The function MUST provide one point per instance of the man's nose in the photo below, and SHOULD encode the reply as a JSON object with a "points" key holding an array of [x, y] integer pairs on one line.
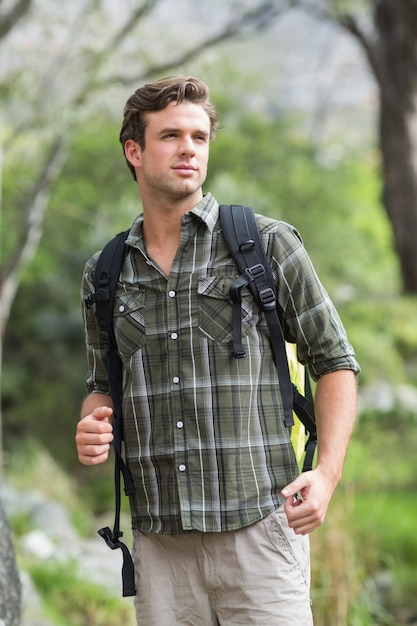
{"points": [[187, 145]]}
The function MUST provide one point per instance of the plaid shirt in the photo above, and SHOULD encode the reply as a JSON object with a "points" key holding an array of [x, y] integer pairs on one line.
{"points": [[204, 434]]}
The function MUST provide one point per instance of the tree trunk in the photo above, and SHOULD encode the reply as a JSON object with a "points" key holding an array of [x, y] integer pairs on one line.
{"points": [[396, 23], [390, 46], [10, 589], [399, 163]]}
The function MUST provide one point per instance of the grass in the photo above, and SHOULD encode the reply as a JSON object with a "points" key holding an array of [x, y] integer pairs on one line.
{"points": [[365, 555], [30, 467], [69, 600]]}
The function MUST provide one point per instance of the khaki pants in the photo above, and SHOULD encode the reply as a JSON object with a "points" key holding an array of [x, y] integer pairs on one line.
{"points": [[259, 575]]}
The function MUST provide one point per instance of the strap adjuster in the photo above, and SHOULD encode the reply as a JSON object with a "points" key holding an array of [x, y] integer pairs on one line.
{"points": [[255, 271], [268, 299]]}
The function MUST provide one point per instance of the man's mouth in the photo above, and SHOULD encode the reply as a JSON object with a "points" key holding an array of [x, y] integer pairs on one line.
{"points": [[185, 167]]}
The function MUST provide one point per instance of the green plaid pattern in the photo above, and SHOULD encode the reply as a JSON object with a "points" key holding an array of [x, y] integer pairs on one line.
{"points": [[204, 433]]}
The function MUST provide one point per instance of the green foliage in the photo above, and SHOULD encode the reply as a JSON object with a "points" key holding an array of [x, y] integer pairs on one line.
{"points": [[30, 465], [96, 182], [382, 453], [43, 369], [364, 557], [70, 600], [380, 475], [21, 524], [382, 329]]}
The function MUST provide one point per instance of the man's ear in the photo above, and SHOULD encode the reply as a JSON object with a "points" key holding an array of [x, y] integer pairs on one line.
{"points": [[133, 153]]}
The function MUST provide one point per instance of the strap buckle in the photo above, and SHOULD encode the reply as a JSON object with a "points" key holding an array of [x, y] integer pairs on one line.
{"points": [[111, 540]]}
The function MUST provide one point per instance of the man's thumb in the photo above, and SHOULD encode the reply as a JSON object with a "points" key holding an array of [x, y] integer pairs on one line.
{"points": [[102, 412], [292, 489]]}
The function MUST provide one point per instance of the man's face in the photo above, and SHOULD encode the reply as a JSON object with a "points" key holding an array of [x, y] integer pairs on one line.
{"points": [[174, 160]]}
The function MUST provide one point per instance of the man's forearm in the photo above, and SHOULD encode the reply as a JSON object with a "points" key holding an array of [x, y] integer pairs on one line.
{"points": [[336, 408]]}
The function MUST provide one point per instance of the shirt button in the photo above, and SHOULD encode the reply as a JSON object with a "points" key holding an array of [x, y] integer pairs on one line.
{"points": [[121, 308], [180, 424], [174, 336], [171, 294], [182, 467], [176, 380]]}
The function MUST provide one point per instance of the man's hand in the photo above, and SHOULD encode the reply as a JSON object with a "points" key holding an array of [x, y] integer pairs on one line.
{"points": [[308, 498], [94, 436]]}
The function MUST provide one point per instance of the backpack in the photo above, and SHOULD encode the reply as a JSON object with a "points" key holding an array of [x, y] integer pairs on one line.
{"points": [[241, 233]]}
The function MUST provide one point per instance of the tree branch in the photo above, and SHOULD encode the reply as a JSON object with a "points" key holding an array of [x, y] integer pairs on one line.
{"points": [[349, 23], [8, 20], [132, 20], [347, 20], [31, 234], [255, 19]]}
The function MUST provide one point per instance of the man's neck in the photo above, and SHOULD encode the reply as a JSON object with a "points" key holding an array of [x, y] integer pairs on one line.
{"points": [[162, 231]]}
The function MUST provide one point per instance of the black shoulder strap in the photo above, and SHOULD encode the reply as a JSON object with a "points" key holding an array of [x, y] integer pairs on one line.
{"points": [[241, 233], [107, 272]]}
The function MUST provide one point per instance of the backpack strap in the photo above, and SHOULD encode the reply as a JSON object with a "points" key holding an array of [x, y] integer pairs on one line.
{"points": [[307, 417], [107, 272], [241, 233]]}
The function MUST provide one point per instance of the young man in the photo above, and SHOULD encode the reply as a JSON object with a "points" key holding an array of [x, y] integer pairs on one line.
{"points": [[219, 537]]}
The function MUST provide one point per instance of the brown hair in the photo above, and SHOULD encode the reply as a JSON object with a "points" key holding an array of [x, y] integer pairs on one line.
{"points": [[155, 97]]}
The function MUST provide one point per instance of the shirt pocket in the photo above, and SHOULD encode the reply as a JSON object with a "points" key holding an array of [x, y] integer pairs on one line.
{"points": [[129, 322], [215, 309]]}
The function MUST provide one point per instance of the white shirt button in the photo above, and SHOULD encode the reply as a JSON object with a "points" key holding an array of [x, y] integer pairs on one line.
{"points": [[174, 335], [121, 308], [180, 424], [176, 380], [171, 294], [182, 467]]}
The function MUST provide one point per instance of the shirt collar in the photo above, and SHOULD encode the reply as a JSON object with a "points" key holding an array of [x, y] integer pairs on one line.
{"points": [[207, 210]]}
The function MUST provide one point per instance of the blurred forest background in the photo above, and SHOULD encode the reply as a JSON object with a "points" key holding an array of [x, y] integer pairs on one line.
{"points": [[318, 105]]}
